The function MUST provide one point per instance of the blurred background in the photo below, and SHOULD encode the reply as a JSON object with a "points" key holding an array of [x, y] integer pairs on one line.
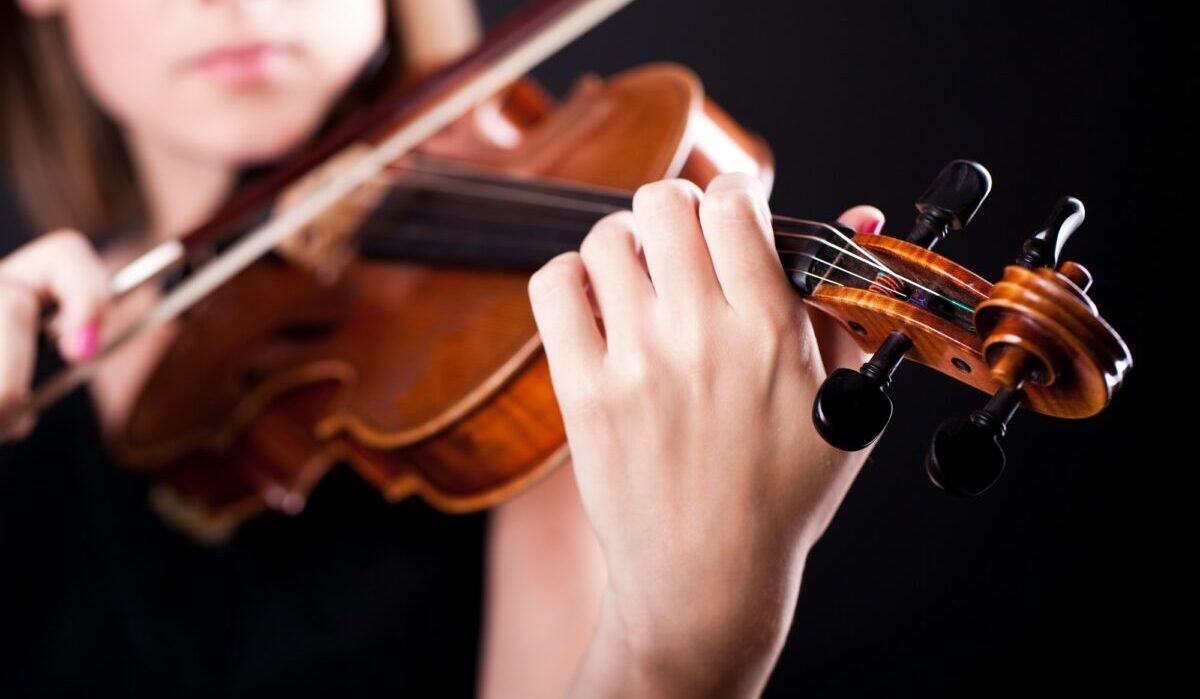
{"points": [[1045, 580]]}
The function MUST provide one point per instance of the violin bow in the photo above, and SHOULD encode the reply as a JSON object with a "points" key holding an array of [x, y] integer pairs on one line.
{"points": [[412, 114]]}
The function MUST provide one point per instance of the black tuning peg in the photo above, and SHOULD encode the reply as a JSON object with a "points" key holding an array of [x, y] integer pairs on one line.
{"points": [[852, 407], [965, 457], [1044, 247], [950, 202]]}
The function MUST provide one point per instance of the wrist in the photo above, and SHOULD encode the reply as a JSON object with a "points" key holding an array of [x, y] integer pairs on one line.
{"points": [[723, 646]]}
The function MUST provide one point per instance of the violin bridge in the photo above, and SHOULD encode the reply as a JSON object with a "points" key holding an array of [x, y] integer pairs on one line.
{"points": [[325, 246]]}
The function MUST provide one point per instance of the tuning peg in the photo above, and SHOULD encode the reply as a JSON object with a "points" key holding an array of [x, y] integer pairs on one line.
{"points": [[950, 202], [852, 407], [965, 457], [1044, 247]]}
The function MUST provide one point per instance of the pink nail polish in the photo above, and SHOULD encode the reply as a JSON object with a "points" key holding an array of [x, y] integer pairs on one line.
{"points": [[872, 227], [86, 342]]}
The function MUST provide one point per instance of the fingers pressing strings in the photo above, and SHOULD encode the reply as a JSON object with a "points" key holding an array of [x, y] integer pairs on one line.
{"points": [[600, 201]]}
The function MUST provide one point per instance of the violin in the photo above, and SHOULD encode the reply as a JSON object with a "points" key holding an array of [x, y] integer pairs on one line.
{"points": [[366, 302]]}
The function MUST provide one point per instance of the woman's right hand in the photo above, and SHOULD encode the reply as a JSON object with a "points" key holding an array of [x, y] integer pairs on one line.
{"points": [[61, 268]]}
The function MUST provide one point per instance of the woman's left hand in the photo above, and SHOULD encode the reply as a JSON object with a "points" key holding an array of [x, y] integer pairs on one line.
{"points": [[688, 413]]}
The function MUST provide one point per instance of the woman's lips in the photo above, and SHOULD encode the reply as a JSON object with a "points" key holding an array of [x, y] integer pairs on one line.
{"points": [[247, 65]]}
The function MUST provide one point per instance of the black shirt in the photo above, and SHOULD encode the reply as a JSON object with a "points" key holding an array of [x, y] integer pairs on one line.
{"points": [[96, 593]]}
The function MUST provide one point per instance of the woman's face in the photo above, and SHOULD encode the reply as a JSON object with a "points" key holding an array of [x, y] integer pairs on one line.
{"points": [[238, 81]]}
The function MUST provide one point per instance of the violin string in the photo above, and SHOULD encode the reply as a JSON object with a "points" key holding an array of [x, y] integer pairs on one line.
{"points": [[449, 168], [436, 166], [827, 280], [574, 205], [503, 194], [874, 262], [567, 196], [445, 177], [846, 252], [843, 270], [518, 246], [866, 257], [514, 245]]}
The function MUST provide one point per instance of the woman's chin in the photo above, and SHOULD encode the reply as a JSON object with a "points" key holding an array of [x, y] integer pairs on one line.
{"points": [[244, 147]]}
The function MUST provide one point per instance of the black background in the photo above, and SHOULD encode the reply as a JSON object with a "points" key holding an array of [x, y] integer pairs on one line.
{"points": [[1048, 579], [1044, 580]]}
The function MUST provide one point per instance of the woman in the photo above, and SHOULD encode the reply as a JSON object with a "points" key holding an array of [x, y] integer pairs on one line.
{"points": [[670, 568]]}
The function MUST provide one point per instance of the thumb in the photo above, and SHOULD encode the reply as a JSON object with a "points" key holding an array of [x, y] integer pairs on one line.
{"points": [[863, 219]]}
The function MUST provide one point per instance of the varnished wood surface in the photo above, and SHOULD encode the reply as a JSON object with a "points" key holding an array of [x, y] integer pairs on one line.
{"points": [[1072, 359], [1045, 314]]}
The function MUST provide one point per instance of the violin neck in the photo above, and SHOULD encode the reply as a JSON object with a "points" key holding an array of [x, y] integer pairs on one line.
{"points": [[473, 218]]}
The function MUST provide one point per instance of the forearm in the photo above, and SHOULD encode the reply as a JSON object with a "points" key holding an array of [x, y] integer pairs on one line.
{"points": [[545, 579]]}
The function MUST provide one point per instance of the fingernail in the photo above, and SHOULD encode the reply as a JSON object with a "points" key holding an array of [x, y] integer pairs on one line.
{"points": [[872, 227], [86, 341]]}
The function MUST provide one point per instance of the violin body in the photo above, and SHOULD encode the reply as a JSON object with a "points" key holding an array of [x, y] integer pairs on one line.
{"points": [[425, 379], [429, 378]]}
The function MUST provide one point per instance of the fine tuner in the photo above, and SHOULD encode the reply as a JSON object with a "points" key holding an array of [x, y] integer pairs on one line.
{"points": [[1033, 339]]}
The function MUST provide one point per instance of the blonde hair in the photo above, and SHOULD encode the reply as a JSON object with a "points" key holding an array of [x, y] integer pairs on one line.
{"points": [[64, 158]]}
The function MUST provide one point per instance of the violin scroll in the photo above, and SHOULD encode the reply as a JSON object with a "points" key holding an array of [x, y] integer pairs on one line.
{"points": [[1040, 331], [1034, 339]]}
